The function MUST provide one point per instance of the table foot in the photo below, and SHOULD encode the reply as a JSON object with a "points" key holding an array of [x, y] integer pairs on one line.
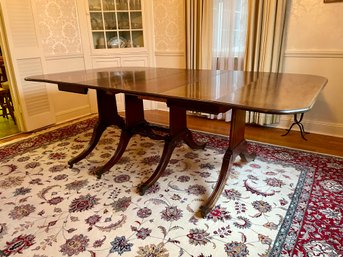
{"points": [[142, 188], [300, 125], [123, 142], [204, 210]]}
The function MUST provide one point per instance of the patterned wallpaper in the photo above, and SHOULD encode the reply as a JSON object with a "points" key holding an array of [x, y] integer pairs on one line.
{"points": [[169, 22], [59, 31], [58, 27], [315, 25]]}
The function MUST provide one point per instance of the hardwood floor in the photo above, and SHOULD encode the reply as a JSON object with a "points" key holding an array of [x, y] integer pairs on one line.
{"points": [[7, 127], [315, 142]]}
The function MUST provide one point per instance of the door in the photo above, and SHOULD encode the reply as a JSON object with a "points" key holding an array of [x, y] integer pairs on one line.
{"points": [[32, 101]]}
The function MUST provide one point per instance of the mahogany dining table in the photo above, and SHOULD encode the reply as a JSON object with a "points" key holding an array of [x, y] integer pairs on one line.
{"points": [[207, 91]]}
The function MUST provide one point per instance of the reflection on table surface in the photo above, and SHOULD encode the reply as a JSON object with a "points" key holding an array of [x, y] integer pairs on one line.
{"points": [[259, 91]]}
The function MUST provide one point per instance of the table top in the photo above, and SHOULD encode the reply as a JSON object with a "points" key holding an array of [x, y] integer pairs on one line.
{"points": [[282, 93]]}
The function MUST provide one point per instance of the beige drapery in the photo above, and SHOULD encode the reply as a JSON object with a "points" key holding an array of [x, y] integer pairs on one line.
{"points": [[264, 40], [265, 44], [199, 22], [199, 34], [229, 32]]}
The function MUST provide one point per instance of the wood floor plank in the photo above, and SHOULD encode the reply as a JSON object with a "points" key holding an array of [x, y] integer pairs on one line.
{"points": [[315, 142], [7, 127]]}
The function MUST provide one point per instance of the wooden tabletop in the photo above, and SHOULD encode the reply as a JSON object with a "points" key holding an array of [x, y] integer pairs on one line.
{"points": [[281, 93]]}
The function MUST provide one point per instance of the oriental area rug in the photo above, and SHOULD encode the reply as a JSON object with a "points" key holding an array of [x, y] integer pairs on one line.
{"points": [[284, 203]]}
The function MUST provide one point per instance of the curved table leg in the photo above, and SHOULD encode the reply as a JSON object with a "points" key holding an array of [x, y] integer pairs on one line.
{"points": [[108, 115], [178, 132], [223, 176], [134, 124], [228, 159], [123, 142], [237, 146], [168, 149], [298, 122], [302, 131], [97, 132]]}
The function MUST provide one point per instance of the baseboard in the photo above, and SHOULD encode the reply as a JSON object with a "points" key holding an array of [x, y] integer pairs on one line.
{"points": [[161, 106], [72, 114], [169, 53]]}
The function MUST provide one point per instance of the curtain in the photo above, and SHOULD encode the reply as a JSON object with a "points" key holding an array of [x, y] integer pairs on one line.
{"points": [[229, 33], [199, 33], [215, 37], [199, 22], [265, 44]]}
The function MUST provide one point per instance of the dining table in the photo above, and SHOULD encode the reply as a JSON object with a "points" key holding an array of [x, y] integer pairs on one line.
{"points": [[184, 91]]}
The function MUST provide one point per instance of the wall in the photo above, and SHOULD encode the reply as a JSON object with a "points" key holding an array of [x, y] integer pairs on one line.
{"points": [[169, 36], [169, 33], [315, 46], [58, 27], [64, 34]]}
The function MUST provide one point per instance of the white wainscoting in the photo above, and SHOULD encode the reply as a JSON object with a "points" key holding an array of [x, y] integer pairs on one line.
{"points": [[67, 106], [313, 126], [326, 116], [170, 59]]}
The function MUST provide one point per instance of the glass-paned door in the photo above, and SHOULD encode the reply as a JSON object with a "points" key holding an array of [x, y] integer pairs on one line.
{"points": [[116, 23]]}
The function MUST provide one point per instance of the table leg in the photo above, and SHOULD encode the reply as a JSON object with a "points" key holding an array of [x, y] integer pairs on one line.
{"points": [[178, 132], [237, 146], [123, 142], [300, 125], [134, 122], [108, 115]]}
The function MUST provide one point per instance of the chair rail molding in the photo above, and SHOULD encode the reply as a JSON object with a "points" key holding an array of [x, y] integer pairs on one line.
{"points": [[169, 53], [65, 56], [314, 53]]}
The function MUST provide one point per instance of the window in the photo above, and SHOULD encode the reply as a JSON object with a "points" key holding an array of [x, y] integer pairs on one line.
{"points": [[229, 33]]}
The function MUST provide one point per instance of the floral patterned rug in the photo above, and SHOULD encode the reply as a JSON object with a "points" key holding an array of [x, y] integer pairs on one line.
{"points": [[285, 203]]}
